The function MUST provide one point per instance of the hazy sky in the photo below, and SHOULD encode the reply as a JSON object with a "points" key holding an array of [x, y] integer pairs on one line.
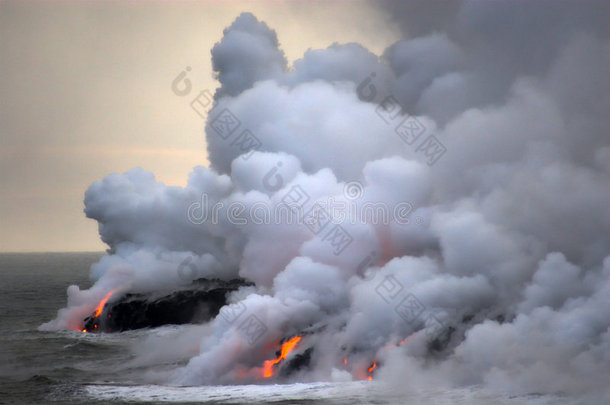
{"points": [[85, 91]]}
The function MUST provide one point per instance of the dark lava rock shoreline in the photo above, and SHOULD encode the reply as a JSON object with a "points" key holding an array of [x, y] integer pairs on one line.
{"points": [[195, 304]]}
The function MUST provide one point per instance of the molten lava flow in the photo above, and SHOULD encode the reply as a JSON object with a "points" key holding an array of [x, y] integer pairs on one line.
{"points": [[373, 367], [100, 306], [99, 309], [287, 347]]}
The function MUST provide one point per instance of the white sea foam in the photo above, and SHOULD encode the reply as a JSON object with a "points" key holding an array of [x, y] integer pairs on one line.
{"points": [[364, 392]]}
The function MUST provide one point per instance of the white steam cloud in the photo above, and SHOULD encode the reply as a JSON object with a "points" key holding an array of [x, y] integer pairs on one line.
{"points": [[502, 239]]}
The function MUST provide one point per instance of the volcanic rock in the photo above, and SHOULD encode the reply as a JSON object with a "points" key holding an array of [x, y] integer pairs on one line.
{"points": [[198, 303]]}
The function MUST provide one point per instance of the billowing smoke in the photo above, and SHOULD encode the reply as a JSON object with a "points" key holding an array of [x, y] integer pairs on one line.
{"points": [[440, 210]]}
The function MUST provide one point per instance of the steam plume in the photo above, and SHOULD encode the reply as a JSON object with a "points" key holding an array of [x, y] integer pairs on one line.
{"points": [[507, 243]]}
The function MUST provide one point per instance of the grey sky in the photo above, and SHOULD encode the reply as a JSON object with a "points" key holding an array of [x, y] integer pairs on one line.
{"points": [[85, 91]]}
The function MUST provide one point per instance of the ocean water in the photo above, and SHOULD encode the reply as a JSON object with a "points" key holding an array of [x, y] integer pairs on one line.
{"points": [[75, 368]]}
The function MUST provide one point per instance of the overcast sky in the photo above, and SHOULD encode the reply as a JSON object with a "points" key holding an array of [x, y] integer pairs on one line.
{"points": [[85, 91]]}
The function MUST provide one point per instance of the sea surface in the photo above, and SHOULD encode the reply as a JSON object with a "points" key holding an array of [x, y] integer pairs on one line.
{"points": [[75, 368]]}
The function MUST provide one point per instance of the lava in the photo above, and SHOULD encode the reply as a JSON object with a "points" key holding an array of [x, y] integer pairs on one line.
{"points": [[100, 306], [99, 309], [287, 347], [373, 367]]}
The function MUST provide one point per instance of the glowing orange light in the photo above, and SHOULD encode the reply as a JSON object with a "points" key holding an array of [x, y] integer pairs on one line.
{"points": [[84, 330], [370, 370], [345, 361], [100, 306], [287, 347]]}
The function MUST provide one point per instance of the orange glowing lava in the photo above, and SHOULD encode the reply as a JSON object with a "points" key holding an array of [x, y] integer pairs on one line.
{"points": [[99, 309], [373, 367], [345, 361], [100, 306], [287, 347]]}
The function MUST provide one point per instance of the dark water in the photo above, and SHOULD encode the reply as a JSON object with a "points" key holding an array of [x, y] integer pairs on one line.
{"points": [[39, 367], [69, 367], [73, 368]]}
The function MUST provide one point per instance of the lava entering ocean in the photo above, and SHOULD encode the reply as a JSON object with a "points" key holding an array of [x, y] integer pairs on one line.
{"points": [[100, 306], [368, 145], [371, 369], [99, 309], [287, 347]]}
